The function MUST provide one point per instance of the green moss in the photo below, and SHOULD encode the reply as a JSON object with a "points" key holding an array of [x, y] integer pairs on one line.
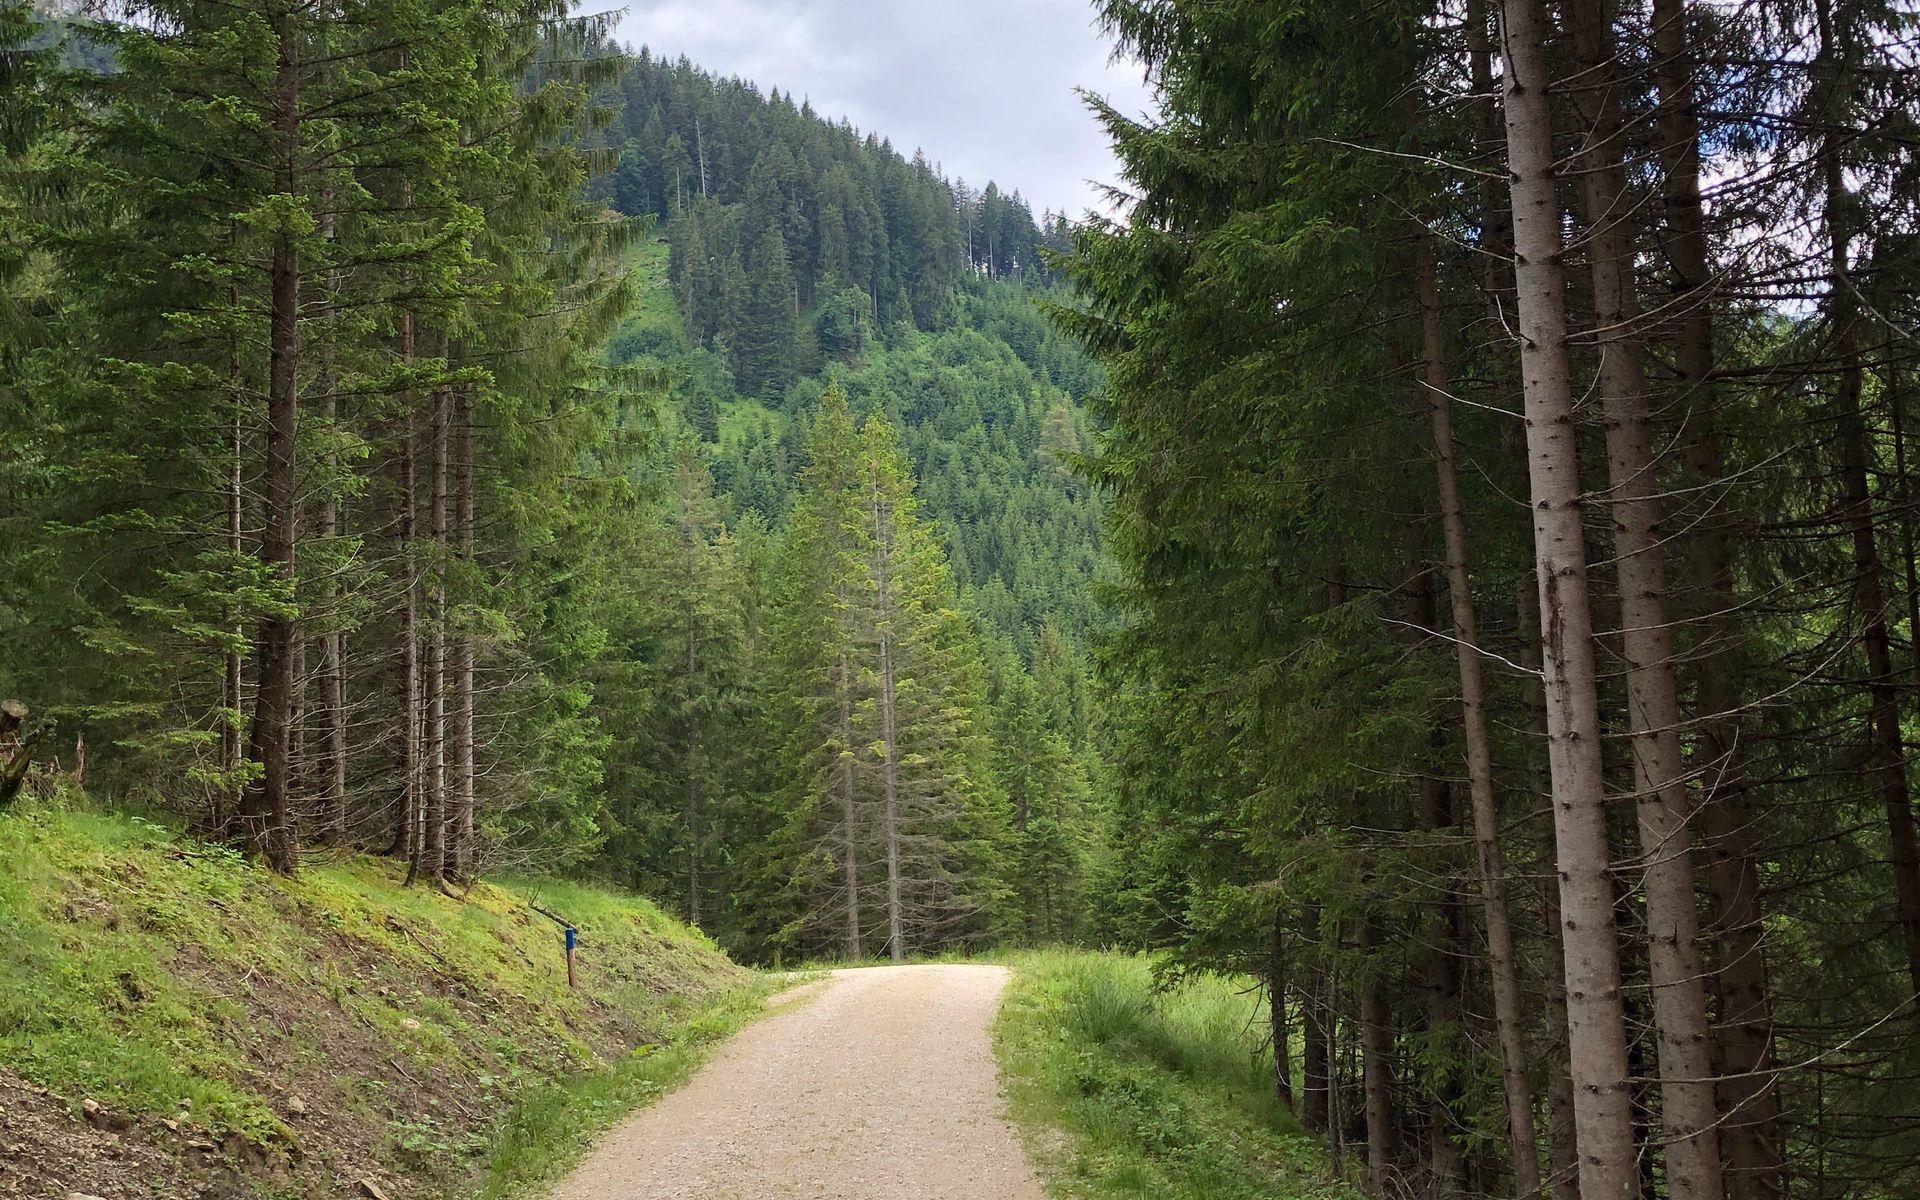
{"points": [[1145, 1093]]}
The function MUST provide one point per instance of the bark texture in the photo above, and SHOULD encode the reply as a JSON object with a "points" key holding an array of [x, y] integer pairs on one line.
{"points": [[1596, 1026], [1688, 1110], [1489, 858]]}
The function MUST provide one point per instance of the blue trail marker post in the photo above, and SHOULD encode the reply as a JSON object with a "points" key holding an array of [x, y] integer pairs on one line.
{"points": [[572, 982]]}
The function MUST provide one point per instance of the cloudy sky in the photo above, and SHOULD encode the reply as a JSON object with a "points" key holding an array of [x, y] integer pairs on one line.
{"points": [[985, 87]]}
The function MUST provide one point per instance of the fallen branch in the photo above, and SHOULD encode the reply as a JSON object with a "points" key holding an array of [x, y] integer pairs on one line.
{"points": [[416, 939]]}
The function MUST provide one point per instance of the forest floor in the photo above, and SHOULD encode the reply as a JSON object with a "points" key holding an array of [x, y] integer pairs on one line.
{"points": [[876, 1083], [175, 1022]]}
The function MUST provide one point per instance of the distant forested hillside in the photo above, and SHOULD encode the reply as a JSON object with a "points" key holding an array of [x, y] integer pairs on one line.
{"points": [[808, 294], [794, 251]]}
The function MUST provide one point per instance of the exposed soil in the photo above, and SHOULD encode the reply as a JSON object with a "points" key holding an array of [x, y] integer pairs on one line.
{"points": [[881, 1085]]}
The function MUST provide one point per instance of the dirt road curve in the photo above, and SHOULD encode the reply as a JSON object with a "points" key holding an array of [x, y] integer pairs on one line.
{"points": [[880, 1087]]}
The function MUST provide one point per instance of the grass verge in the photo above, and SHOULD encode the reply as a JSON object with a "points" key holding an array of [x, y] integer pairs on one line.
{"points": [[273, 1036], [549, 1132], [1126, 1093]]}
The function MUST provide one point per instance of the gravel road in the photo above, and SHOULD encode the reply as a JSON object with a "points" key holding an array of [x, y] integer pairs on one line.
{"points": [[877, 1084]]}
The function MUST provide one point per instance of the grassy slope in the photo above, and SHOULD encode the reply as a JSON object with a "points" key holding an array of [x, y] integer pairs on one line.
{"points": [[294, 1036], [1129, 1094]]}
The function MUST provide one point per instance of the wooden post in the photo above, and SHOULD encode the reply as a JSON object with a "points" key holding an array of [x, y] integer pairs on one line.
{"points": [[572, 980]]}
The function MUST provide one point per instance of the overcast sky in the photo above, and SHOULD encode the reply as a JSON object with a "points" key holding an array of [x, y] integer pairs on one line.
{"points": [[985, 87]]}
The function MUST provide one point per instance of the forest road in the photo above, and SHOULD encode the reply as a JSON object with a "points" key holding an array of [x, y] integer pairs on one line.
{"points": [[879, 1085]]}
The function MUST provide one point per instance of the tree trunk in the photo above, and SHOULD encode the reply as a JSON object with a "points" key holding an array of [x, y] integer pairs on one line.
{"points": [[1376, 1061], [1495, 235], [1563, 1146], [232, 682], [436, 665], [1909, 563], [1509, 1025], [1596, 1026], [689, 546], [848, 815], [889, 731], [1689, 1112], [298, 766], [463, 650], [409, 841], [1277, 1026], [332, 706], [1870, 589], [1750, 1134], [1562, 1151], [1316, 1059], [265, 811], [1445, 944], [1440, 984]]}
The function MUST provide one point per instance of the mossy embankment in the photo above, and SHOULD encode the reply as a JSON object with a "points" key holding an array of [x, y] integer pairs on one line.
{"points": [[175, 1021]]}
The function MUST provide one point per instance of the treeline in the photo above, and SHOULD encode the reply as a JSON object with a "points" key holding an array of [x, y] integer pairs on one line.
{"points": [[304, 429], [796, 238], [1512, 476], [831, 747], [330, 529]]}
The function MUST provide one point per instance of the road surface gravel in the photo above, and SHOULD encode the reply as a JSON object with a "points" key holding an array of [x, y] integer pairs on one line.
{"points": [[876, 1084]]}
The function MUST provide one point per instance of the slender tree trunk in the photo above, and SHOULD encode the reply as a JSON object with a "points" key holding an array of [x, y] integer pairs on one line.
{"points": [[889, 730], [1376, 1062], [1909, 563], [1688, 1108], [849, 816], [1495, 235], [1562, 1149], [463, 649], [1870, 603], [1750, 1135], [1440, 983], [435, 839], [1596, 1024], [332, 707], [333, 682], [266, 812], [1442, 986], [411, 793], [230, 734], [689, 544], [700, 145], [1509, 1024], [1316, 1060], [298, 766], [1277, 1026], [1339, 1064], [1870, 589]]}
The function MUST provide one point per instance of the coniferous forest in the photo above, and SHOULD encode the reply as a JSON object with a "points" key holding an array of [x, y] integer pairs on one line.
{"points": [[1440, 548]]}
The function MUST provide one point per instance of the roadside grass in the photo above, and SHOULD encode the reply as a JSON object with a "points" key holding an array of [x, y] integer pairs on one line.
{"points": [[340, 1024], [546, 1134], [1128, 1093]]}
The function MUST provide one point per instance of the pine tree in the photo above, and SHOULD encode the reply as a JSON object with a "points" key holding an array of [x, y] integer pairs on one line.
{"points": [[766, 319]]}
